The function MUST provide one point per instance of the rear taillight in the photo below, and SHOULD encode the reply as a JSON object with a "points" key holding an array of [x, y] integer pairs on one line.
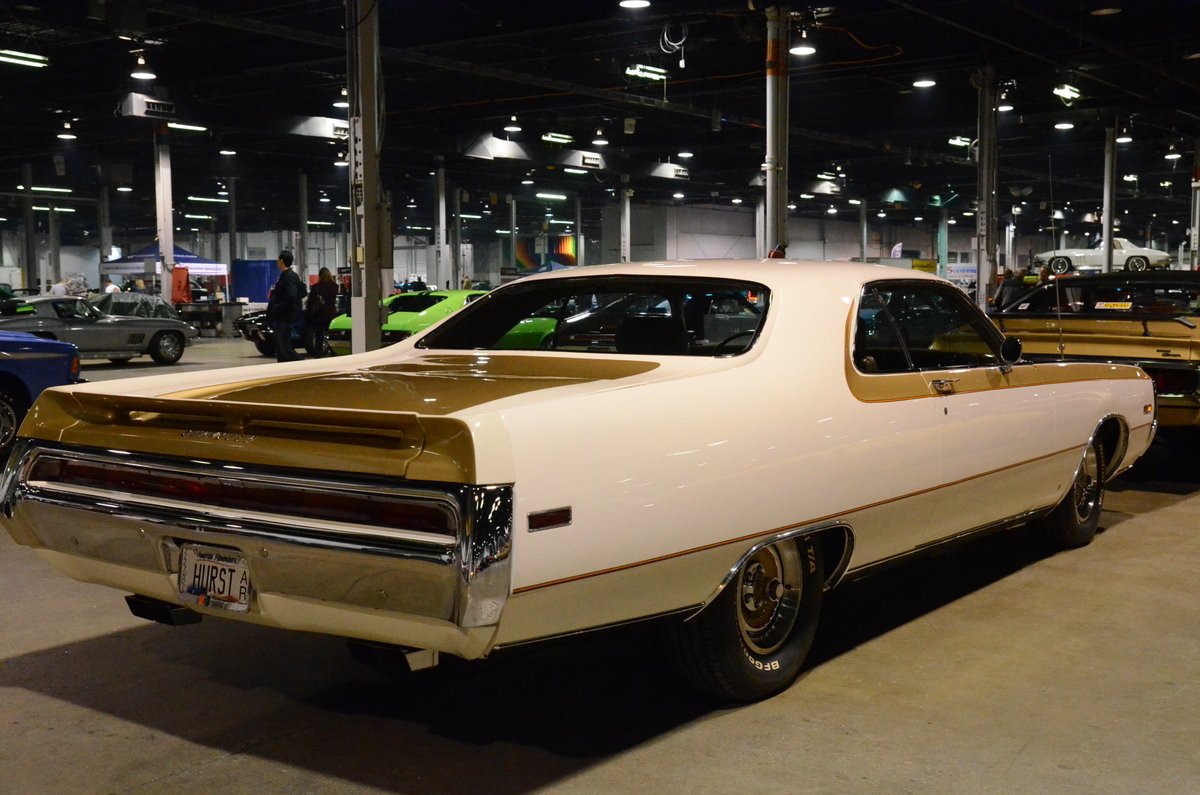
{"points": [[309, 501], [1175, 382], [75, 365]]}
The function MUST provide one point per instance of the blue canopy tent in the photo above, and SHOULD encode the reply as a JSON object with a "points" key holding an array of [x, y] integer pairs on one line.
{"points": [[135, 263]]}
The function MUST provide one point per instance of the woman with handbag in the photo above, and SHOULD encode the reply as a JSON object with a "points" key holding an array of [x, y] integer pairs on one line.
{"points": [[319, 309]]}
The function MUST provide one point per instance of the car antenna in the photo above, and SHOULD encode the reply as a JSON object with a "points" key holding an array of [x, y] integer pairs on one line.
{"points": [[1054, 245]]}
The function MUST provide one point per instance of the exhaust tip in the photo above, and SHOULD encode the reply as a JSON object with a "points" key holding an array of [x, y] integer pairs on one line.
{"points": [[163, 612]]}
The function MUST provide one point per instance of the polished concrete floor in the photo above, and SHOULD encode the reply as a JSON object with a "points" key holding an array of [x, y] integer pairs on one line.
{"points": [[991, 669]]}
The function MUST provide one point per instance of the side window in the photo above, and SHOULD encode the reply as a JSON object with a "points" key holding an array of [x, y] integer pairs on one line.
{"points": [[921, 326]]}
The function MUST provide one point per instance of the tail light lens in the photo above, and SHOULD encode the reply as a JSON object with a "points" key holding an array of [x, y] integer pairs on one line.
{"points": [[1175, 381]]}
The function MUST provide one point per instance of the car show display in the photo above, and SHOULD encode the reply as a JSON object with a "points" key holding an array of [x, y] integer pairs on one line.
{"points": [[1125, 256], [406, 314], [1144, 319], [476, 486], [98, 335]]}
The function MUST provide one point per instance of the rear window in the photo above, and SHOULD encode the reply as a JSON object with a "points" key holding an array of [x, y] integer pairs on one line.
{"points": [[413, 302], [612, 314]]}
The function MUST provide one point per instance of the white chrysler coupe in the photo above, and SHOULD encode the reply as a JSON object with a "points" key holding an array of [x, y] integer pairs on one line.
{"points": [[713, 443]]}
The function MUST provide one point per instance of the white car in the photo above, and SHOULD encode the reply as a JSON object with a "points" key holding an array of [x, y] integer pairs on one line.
{"points": [[1124, 255], [713, 443]]}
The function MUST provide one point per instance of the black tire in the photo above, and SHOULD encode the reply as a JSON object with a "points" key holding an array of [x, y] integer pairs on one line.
{"points": [[166, 347], [1059, 265], [1138, 264], [265, 347], [1073, 523], [13, 408], [751, 641]]}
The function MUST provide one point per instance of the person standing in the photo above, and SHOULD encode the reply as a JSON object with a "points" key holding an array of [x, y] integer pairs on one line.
{"points": [[319, 310], [284, 307], [109, 287], [60, 287]]}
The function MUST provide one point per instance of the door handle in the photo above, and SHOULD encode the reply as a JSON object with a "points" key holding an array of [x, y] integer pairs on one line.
{"points": [[944, 386]]}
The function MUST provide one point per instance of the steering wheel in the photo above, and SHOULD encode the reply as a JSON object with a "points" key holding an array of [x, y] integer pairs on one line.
{"points": [[735, 336]]}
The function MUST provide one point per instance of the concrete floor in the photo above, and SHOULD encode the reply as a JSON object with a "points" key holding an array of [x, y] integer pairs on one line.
{"points": [[990, 669]]}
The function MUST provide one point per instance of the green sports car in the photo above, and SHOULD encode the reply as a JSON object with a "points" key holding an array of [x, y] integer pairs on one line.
{"points": [[408, 313]]}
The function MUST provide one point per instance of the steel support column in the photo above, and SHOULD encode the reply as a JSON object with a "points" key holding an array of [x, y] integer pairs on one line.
{"points": [[366, 195], [775, 167], [104, 220], [301, 252], [1110, 195], [943, 240], [625, 194], [1195, 236], [985, 216], [579, 238], [29, 259], [164, 210], [512, 235], [863, 232]]}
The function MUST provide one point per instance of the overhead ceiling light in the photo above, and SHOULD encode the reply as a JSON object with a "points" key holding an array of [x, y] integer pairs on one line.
{"points": [[513, 125], [924, 83], [634, 3], [677, 195], [124, 189], [561, 222], [66, 133], [552, 196], [527, 181], [196, 217], [881, 214], [736, 201], [792, 206], [56, 209], [141, 70], [320, 223], [343, 101], [174, 125], [24, 59], [1007, 89], [341, 161], [806, 196], [1172, 152], [48, 189], [918, 218], [952, 220], [832, 211], [960, 140], [1130, 178], [470, 217], [826, 176], [1105, 8], [804, 46], [557, 138], [343, 207], [324, 200], [1066, 92], [222, 192], [685, 154], [573, 170], [646, 72], [855, 202], [207, 199], [599, 140], [1064, 125], [229, 152]]}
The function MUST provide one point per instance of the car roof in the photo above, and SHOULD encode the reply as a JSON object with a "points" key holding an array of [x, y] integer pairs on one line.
{"points": [[770, 272], [1142, 277]]}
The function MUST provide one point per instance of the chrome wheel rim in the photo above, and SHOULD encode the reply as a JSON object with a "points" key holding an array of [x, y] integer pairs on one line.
{"points": [[768, 597], [1087, 486], [1059, 265], [8, 424], [169, 346]]}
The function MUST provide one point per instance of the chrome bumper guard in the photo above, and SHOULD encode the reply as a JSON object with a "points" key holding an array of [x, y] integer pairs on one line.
{"points": [[425, 581]]}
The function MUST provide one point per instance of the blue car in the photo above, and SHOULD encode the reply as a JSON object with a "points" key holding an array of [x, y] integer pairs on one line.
{"points": [[29, 364]]}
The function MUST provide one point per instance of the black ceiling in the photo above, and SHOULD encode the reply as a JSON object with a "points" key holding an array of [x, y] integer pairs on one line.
{"points": [[455, 69]]}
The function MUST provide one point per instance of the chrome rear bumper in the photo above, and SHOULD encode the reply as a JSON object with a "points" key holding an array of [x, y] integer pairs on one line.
{"points": [[385, 584]]}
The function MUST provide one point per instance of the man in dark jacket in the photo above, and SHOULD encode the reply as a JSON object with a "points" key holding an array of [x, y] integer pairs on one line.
{"points": [[285, 306]]}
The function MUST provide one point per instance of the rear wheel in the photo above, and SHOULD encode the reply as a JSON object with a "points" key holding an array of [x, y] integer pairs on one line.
{"points": [[1073, 523], [13, 407], [166, 347], [750, 643], [1137, 264], [265, 347], [1059, 265]]}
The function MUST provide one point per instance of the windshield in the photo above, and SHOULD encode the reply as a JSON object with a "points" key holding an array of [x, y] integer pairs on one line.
{"points": [[413, 302], [611, 314]]}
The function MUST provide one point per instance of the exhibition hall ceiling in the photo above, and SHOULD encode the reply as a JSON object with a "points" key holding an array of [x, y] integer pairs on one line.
{"points": [[454, 74]]}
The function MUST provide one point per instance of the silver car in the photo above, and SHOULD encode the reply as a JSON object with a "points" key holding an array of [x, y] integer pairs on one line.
{"points": [[96, 334]]}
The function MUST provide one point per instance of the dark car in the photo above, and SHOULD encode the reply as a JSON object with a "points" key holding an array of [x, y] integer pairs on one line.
{"points": [[29, 364], [1145, 318]]}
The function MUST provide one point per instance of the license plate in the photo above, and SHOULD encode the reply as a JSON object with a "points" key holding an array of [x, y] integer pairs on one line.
{"points": [[211, 577]]}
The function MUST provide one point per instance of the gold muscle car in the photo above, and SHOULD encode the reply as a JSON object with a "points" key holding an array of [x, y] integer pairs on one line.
{"points": [[1147, 319]]}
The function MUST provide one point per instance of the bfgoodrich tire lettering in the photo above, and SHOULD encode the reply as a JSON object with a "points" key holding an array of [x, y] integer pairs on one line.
{"points": [[751, 642], [1073, 523]]}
